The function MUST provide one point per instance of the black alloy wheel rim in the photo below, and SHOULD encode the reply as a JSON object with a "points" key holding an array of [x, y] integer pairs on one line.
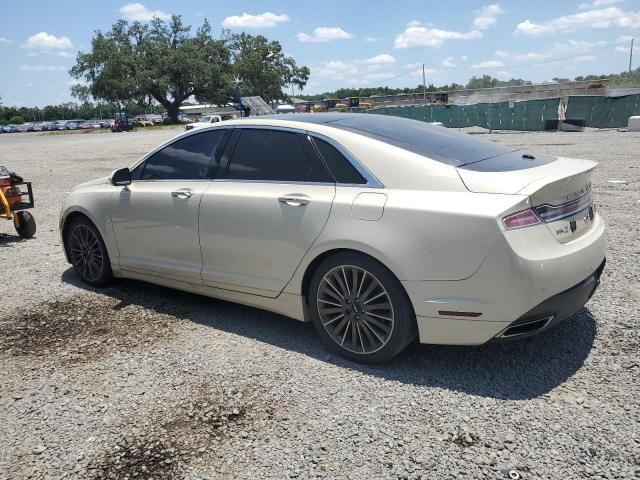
{"points": [[86, 253], [355, 309]]}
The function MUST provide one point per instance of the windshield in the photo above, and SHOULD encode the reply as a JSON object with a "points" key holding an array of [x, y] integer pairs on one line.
{"points": [[206, 119]]}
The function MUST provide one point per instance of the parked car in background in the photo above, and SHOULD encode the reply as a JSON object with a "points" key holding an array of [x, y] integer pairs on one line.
{"points": [[205, 121], [375, 228]]}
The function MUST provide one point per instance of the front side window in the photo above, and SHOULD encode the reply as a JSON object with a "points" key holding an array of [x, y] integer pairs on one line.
{"points": [[274, 155], [186, 159]]}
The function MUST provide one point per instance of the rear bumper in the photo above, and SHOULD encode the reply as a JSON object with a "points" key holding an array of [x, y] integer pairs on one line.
{"points": [[554, 309], [527, 274]]}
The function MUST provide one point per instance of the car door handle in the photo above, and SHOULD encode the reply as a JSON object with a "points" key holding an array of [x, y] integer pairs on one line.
{"points": [[294, 200], [182, 194]]}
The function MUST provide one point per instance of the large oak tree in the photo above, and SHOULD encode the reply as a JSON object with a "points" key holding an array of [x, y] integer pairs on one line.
{"points": [[163, 61]]}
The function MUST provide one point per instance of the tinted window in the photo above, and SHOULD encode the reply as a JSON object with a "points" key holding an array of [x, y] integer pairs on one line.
{"points": [[438, 143], [185, 159], [262, 154], [342, 170]]}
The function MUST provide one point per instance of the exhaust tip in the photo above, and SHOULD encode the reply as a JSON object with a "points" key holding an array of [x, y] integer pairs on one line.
{"points": [[527, 328]]}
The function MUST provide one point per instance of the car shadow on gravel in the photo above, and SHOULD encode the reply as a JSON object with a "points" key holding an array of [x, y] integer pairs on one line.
{"points": [[513, 370]]}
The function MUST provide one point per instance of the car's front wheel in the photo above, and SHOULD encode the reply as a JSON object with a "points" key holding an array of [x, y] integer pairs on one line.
{"points": [[88, 253], [360, 309]]}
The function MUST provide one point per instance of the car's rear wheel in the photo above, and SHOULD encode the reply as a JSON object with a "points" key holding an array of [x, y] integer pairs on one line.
{"points": [[360, 309], [88, 253]]}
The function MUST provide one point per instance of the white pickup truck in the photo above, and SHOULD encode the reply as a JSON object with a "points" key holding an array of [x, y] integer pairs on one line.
{"points": [[205, 121]]}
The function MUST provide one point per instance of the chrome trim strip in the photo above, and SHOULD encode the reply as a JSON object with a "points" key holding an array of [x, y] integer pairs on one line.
{"points": [[372, 181], [282, 182], [551, 213]]}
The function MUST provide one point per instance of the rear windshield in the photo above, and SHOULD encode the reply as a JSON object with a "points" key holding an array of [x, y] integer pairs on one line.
{"points": [[439, 143]]}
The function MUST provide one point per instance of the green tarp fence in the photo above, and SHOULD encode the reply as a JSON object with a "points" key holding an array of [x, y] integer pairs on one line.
{"points": [[529, 115]]}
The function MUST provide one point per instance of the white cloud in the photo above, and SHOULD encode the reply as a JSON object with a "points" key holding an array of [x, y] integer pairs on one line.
{"points": [[448, 63], [583, 58], [420, 36], [489, 64], [65, 54], [325, 34], [5, 40], [487, 16], [602, 18], [597, 4], [338, 70], [370, 39], [137, 12], [570, 48], [413, 23], [41, 68], [383, 59], [45, 41], [262, 20], [378, 76], [464, 58]]}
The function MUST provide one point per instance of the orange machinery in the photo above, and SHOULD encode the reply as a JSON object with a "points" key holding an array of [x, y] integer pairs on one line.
{"points": [[16, 197]]}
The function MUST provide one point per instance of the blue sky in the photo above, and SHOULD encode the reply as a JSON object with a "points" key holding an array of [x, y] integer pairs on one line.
{"points": [[346, 43]]}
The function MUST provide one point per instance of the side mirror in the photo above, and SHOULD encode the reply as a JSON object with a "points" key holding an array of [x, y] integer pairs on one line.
{"points": [[121, 178]]}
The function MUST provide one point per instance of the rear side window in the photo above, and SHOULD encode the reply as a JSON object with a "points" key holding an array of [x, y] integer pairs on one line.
{"points": [[186, 159], [342, 169], [275, 155]]}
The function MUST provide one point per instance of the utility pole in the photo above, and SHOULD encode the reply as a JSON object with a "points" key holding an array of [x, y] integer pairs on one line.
{"points": [[424, 86], [631, 55]]}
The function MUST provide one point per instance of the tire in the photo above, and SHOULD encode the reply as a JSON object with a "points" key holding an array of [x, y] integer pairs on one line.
{"points": [[88, 253], [26, 226], [360, 309]]}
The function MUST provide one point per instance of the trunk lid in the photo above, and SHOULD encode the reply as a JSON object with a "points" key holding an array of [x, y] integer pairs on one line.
{"points": [[559, 190]]}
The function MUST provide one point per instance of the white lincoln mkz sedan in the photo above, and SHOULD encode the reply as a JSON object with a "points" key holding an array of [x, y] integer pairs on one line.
{"points": [[377, 229]]}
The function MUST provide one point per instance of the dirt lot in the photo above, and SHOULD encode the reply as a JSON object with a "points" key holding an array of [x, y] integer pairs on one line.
{"points": [[137, 381]]}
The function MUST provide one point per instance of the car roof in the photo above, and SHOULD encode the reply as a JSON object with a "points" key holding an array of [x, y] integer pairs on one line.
{"points": [[436, 142]]}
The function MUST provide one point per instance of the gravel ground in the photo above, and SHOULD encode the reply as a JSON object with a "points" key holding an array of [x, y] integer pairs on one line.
{"points": [[138, 381]]}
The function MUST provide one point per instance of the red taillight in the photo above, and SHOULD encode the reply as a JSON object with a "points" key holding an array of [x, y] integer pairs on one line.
{"points": [[525, 218]]}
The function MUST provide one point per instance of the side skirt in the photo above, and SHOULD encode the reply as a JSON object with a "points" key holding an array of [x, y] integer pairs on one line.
{"points": [[287, 304]]}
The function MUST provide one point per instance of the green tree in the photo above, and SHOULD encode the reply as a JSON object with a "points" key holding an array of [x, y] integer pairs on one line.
{"points": [[16, 119], [160, 60], [163, 61], [263, 68]]}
